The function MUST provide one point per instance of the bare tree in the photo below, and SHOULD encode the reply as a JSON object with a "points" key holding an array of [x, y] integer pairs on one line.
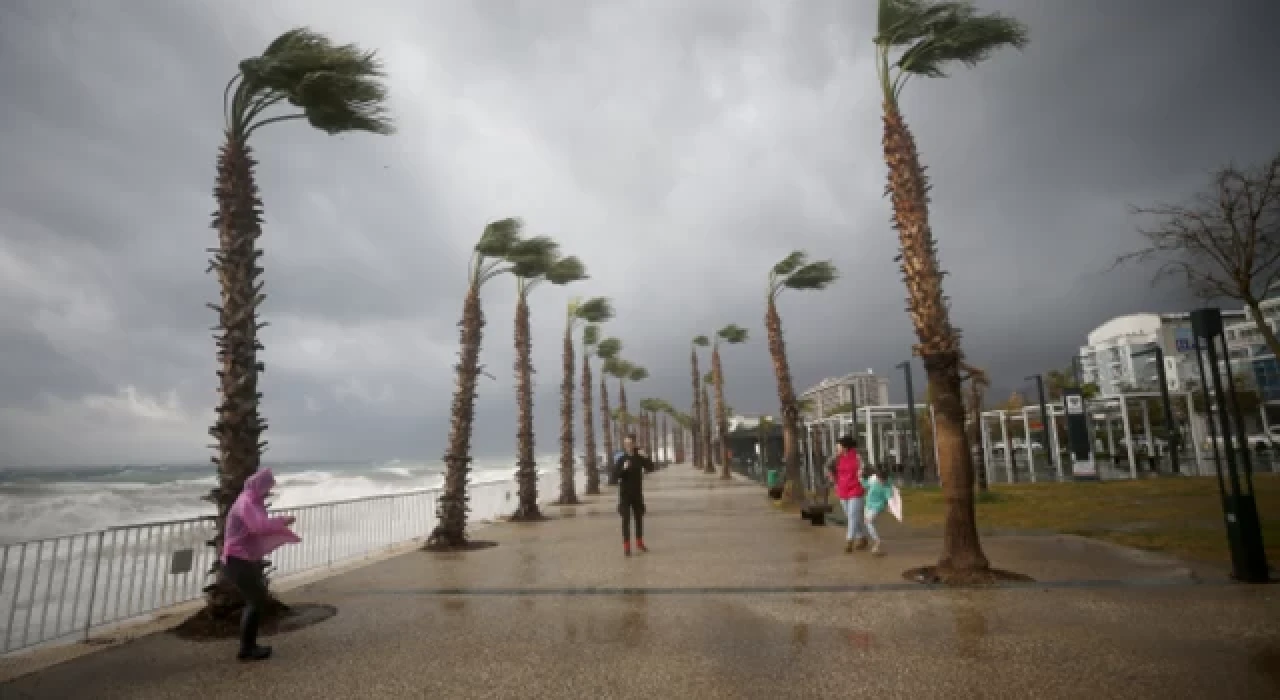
{"points": [[1225, 242]]}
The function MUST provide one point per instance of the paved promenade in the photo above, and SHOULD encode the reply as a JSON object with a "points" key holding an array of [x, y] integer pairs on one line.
{"points": [[737, 600]]}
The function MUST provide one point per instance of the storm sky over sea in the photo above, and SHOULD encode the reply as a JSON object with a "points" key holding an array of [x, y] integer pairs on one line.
{"points": [[679, 147]]}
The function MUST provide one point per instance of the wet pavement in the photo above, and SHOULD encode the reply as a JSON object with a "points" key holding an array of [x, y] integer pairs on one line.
{"points": [[736, 600]]}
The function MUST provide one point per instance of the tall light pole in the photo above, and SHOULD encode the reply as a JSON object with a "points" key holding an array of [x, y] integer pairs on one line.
{"points": [[1170, 422], [911, 412]]}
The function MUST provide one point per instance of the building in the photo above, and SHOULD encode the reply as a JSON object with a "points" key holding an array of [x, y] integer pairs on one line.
{"points": [[857, 388], [1250, 356], [1118, 357]]}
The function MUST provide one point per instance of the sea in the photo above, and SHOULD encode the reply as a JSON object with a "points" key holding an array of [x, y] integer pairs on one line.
{"points": [[46, 502]]}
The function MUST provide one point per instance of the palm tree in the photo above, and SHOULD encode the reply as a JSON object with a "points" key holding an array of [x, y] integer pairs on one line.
{"points": [[926, 36], [732, 334], [607, 350], [620, 369], [696, 411], [763, 429], [792, 272], [978, 383], [590, 339], [592, 311], [704, 405], [647, 408], [336, 89], [486, 263], [635, 373], [533, 261]]}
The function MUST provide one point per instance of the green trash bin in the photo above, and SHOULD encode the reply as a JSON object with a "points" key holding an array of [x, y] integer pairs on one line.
{"points": [[773, 479]]}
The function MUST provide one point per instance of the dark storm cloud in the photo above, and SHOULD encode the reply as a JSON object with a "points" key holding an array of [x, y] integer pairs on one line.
{"points": [[679, 148]]}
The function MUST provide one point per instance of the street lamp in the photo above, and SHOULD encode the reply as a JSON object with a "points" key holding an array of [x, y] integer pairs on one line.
{"points": [[911, 412], [1170, 422], [1045, 418]]}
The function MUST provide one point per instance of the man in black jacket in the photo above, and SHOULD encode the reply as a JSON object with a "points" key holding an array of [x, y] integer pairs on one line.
{"points": [[628, 472]]}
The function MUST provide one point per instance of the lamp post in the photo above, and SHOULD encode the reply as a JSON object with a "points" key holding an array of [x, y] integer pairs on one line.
{"points": [[911, 412], [1045, 418], [1170, 422]]}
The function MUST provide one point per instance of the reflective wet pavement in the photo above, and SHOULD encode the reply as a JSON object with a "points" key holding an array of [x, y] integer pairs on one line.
{"points": [[714, 611]]}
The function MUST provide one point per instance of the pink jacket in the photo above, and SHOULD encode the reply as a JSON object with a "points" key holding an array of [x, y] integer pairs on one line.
{"points": [[251, 534], [848, 476]]}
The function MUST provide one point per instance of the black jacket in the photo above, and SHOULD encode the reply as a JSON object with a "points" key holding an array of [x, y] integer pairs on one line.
{"points": [[628, 471]]}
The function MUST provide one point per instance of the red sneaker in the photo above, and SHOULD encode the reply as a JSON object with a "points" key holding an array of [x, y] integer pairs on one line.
{"points": [[626, 549], [640, 546]]}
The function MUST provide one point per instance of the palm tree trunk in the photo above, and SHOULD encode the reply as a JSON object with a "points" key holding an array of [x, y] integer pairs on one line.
{"points": [[526, 468], [662, 430], [606, 422], [788, 408], [939, 346], [722, 418], [589, 428], [624, 427], [568, 490], [705, 403], [451, 526], [239, 426], [696, 414]]}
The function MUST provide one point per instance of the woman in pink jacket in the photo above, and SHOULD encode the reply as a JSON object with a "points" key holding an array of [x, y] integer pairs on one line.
{"points": [[844, 469], [251, 535]]}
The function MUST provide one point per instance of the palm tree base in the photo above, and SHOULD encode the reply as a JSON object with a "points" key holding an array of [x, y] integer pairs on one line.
{"points": [[527, 514], [593, 490], [952, 576], [220, 617], [441, 547], [725, 476], [708, 470], [562, 501]]}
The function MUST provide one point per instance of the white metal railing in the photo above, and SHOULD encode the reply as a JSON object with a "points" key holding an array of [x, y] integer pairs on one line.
{"points": [[56, 588]]}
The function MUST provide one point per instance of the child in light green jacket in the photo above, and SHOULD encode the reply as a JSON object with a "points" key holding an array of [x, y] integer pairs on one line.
{"points": [[879, 490]]}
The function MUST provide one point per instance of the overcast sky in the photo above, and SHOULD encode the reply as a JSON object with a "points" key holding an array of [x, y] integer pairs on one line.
{"points": [[679, 147]]}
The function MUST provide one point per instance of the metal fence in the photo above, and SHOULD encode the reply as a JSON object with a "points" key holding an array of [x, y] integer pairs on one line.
{"points": [[57, 588]]}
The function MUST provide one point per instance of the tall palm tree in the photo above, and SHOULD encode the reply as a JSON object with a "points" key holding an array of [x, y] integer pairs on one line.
{"points": [[704, 405], [590, 340], [607, 350], [636, 373], [978, 384], [647, 407], [337, 89], [732, 334], [926, 36], [695, 413], [533, 261], [487, 262], [763, 429], [620, 369], [591, 311], [792, 272]]}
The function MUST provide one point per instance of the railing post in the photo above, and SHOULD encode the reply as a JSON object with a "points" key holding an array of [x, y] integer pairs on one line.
{"points": [[93, 585], [330, 538]]}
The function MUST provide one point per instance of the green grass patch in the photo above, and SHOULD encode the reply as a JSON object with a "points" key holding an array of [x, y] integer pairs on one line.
{"points": [[1181, 516]]}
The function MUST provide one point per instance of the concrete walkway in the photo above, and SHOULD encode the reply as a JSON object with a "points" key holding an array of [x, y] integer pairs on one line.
{"points": [[736, 600]]}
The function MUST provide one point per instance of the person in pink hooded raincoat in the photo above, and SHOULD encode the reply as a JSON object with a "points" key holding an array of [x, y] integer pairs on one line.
{"points": [[250, 536]]}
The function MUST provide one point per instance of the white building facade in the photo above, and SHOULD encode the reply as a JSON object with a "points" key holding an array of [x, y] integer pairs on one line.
{"points": [[857, 388], [1118, 356]]}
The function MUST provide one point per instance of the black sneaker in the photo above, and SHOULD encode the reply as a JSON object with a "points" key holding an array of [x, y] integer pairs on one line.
{"points": [[255, 654]]}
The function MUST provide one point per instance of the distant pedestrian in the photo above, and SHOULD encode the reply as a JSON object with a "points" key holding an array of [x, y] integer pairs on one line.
{"points": [[251, 535], [628, 472], [878, 492], [844, 469]]}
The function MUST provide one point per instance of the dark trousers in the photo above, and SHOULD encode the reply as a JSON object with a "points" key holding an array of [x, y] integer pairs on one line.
{"points": [[249, 580], [628, 508]]}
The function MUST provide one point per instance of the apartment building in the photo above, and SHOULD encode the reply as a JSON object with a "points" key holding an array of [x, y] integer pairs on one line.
{"points": [[857, 388]]}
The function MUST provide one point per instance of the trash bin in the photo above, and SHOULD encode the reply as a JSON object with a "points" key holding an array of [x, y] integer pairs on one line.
{"points": [[773, 478]]}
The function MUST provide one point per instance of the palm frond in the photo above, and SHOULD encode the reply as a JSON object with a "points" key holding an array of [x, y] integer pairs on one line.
{"points": [[595, 310], [499, 236], [565, 270], [733, 334], [608, 348], [791, 263], [638, 374], [532, 258], [590, 334], [963, 37], [709, 378], [816, 275], [701, 341]]}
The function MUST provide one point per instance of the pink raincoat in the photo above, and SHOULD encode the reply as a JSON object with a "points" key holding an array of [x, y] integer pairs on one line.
{"points": [[251, 533], [848, 473]]}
